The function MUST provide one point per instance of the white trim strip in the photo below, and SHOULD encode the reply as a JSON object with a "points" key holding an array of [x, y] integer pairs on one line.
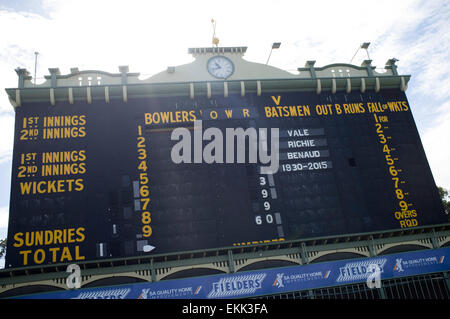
{"points": [[191, 90], [52, 96], [363, 85], [377, 84], [71, 95], [319, 86], [106, 94], [208, 90], [88, 94], [403, 85], [125, 93], [225, 89], [18, 102]]}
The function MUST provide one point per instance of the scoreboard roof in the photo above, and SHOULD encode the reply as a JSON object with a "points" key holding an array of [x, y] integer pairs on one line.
{"points": [[194, 80]]}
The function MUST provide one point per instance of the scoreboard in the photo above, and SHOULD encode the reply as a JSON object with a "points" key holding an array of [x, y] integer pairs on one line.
{"points": [[94, 181]]}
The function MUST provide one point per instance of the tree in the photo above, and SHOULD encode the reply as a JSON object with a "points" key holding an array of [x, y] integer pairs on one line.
{"points": [[443, 193], [2, 247]]}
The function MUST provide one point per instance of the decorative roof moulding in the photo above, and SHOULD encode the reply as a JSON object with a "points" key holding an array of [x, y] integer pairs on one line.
{"points": [[177, 80]]}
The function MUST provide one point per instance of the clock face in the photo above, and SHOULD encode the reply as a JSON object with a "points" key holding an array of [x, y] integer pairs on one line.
{"points": [[220, 67]]}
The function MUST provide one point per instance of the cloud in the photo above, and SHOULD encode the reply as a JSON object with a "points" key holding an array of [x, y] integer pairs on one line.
{"points": [[425, 51], [4, 216], [6, 136], [149, 36], [435, 141]]}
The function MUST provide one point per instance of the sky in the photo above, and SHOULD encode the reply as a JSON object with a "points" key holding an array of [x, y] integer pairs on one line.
{"points": [[148, 36]]}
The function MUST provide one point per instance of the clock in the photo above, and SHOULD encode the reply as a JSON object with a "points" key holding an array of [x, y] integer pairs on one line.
{"points": [[220, 67]]}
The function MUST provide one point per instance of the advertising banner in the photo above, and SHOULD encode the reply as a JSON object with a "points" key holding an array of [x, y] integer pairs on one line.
{"points": [[272, 281]]}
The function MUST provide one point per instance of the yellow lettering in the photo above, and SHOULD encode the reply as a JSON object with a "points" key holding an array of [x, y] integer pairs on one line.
{"points": [[48, 237], [29, 239], [79, 184], [77, 254], [165, 117], [229, 113], [68, 132], [25, 187], [39, 238], [18, 240], [82, 132], [353, 108], [65, 255], [70, 235], [274, 112], [38, 260], [178, 116], [276, 100], [58, 236], [405, 106], [303, 110], [148, 118], [69, 182], [80, 234], [293, 111], [60, 186], [54, 250], [82, 155], [323, 109], [25, 254], [171, 117], [156, 120], [51, 187], [184, 116]]}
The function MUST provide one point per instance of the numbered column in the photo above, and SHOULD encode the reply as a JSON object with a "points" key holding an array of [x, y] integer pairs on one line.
{"points": [[141, 187], [406, 215]]}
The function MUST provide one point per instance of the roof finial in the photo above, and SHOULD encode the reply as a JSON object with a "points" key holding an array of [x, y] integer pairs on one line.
{"points": [[215, 40]]}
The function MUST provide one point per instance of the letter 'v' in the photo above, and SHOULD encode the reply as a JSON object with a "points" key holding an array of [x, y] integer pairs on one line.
{"points": [[276, 100]]}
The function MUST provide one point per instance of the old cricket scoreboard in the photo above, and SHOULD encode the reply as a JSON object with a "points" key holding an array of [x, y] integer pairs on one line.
{"points": [[93, 177]]}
